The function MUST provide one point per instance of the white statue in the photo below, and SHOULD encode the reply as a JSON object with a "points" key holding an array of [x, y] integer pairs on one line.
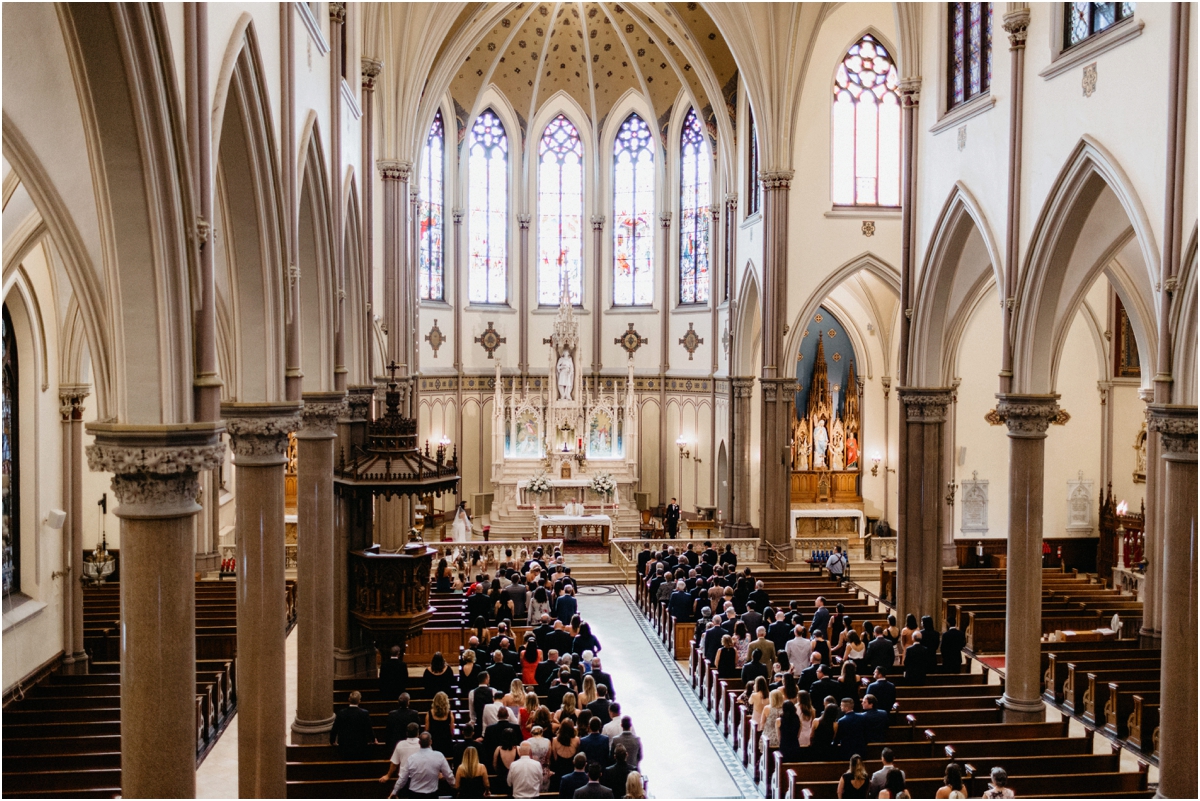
{"points": [[820, 442], [566, 376], [837, 447]]}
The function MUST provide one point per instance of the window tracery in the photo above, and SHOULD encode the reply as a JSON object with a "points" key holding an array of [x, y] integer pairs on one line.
{"points": [[431, 211], [633, 214], [866, 127], [970, 51], [1085, 20], [695, 193], [560, 211], [487, 224]]}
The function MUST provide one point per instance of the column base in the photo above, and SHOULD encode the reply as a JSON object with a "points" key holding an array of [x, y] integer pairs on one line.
{"points": [[206, 562], [357, 664], [1015, 711], [1149, 639], [739, 531], [307, 732], [76, 664]]}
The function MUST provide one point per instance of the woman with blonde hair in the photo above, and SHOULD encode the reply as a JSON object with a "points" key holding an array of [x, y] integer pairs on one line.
{"points": [[589, 693], [853, 783], [770, 721], [515, 699], [566, 712], [808, 718], [440, 724], [633, 786], [758, 700], [468, 674], [471, 777], [528, 710]]}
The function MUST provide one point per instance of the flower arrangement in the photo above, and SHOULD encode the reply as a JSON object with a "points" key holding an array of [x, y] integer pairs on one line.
{"points": [[539, 484], [604, 485]]}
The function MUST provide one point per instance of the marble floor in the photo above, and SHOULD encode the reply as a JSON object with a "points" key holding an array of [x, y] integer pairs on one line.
{"points": [[674, 741]]}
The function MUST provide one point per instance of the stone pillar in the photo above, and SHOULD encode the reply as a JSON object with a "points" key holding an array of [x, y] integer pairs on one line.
{"points": [[778, 387], [314, 569], [337, 19], [664, 363], [156, 477], [597, 303], [395, 234], [1027, 417], [523, 220], [922, 498], [741, 391], [75, 658], [1153, 602], [370, 72], [258, 434], [352, 531], [1016, 23], [1176, 426]]}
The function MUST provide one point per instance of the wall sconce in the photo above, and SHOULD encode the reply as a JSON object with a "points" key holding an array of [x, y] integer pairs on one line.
{"points": [[684, 451], [951, 491], [875, 460]]}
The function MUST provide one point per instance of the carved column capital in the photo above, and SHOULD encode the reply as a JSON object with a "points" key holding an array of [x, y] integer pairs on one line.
{"points": [[742, 387], [524, 219], [371, 68], [597, 222], [664, 219], [71, 398], [1177, 425], [258, 432], [776, 179], [358, 403], [458, 215], [337, 13], [731, 199], [910, 92], [1017, 24], [1027, 416], [319, 417], [776, 390], [391, 170], [925, 404], [156, 469]]}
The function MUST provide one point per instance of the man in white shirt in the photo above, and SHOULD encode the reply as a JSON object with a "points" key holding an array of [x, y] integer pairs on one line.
{"points": [[404, 751], [799, 651], [613, 727], [525, 774], [836, 564], [491, 712], [422, 771]]}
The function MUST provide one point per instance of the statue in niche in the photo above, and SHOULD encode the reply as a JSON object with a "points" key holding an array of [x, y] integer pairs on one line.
{"points": [[566, 375], [1139, 453], [803, 446], [837, 446], [820, 444], [851, 452]]}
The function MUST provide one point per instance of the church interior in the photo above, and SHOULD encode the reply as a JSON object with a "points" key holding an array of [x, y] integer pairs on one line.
{"points": [[480, 335]]}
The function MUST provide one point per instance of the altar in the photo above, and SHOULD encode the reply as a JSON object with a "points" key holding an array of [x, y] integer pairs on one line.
{"points": [[575, 528], [860, 520]]}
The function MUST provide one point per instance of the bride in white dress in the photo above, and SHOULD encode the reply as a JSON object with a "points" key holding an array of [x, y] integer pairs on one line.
{"points": [[460, 531]]}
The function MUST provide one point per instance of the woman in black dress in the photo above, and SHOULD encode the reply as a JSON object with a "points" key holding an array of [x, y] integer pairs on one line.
{"points": [[442, 577], [855, 782], [440, 724], [726, 664], [789, 733], [506, 754], [468, 674], [585, 641], [439, 678], [821, 747], [471, 776]]}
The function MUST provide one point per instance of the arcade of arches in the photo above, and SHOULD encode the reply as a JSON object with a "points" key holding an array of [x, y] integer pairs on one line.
{"points": [[286, 281]]}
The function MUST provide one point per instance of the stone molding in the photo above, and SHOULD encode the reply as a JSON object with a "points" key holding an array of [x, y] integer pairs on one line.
{"points": [[1177, 425], [71, 397], [743, 387], [320, 415], [156, 469], [357, 408], [1027, 416], [664, 219], [597, 222], [776, 179], [371, 67], [778, 389], [258, 432], [910, 92], [394, 170], [1017, 24], [524, 219], [337, 13], [925, 404]]}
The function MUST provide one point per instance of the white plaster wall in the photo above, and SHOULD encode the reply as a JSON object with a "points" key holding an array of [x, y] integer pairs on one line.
{"points": [[1128, 415]]}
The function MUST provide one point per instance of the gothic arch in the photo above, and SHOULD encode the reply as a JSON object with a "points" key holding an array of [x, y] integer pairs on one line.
{"points": [[1183, 327], [748, 326], [318, 285], [1091, 216], [962, 259], [357, 317]]}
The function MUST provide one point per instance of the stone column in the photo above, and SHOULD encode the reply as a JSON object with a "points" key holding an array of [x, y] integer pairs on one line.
{"points": [[156, 477], [597, 303], [778, 387], [1016, 23], [314, 569], [395, 234], [337, 19], [370, 72], [1027, 417], [258, 434], [664, 363], [1176, 426], [523, 220], [922, 498], [741, 391], [1153, 600], [351, 532], [75, 658]]}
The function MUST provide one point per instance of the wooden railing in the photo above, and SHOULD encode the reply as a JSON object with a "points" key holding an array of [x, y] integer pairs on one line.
{"points": [[746, 549], [776, 557]]}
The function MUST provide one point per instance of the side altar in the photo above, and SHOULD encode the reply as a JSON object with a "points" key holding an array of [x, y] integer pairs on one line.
{"points": [[563, 438]]}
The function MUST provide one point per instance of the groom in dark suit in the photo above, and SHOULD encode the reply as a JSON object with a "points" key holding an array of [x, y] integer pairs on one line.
{"points": [[671, 519]]}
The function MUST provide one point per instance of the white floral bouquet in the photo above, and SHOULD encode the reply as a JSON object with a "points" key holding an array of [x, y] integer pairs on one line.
{"points": [[604, 484], [539, 484]]}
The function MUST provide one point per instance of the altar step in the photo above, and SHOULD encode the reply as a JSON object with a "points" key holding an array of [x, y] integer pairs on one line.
{"points": [[592, 574]]}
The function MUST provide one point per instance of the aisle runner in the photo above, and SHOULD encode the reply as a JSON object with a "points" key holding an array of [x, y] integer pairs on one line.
{"points": [[731, 760]]}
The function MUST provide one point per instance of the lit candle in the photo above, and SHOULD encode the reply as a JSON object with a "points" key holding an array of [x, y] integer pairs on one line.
{"points": [[581, 444]]}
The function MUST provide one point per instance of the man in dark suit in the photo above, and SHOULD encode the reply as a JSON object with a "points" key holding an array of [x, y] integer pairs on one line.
{"points": [[760, 596], [820, 619], [511, 658], [712, 641], [729, 558], [482, 657], [566, 606], [576, 779], [595, 744], [559, 639], [480, 697], [680, 605], [478, 605], [825, 686], [916, 661], [880, 651], [501, 672], [603, 678], [545, 626], [808, 676], [883, 690], [616, 774], [599, 707], [593, 788], [851, 731], [544, 673], [877, 720], [393, 675], [643, 558], [352, 731], [517, 592], [754, 668], [671, 519], [559, 687], [493, 736], [501, 634], [710, 554], [689, 553], [953, 643], [780, 633], [752, 618], [398, 720]]}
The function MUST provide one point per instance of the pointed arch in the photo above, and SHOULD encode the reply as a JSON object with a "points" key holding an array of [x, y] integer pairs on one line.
{"points": [[1183, 326], [318, 285], [962, 258], [865, 121], [1091, 215], [748, 327]]}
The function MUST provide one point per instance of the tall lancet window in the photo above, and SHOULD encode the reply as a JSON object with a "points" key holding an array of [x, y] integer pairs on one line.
{"points": [[487, 223], [866, 127], [560, 211], [633, 214], [11, 460], [970, 51], [431, 269], [695, 195]]}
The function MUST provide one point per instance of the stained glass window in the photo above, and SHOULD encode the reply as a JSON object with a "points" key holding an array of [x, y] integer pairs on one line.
{"points": [[487, 223], [866, 127], [633, 214], [560, 211], [431, 267], [1083, 20], [695, 193], [12, 472], [970, 43], [755, 184]]}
